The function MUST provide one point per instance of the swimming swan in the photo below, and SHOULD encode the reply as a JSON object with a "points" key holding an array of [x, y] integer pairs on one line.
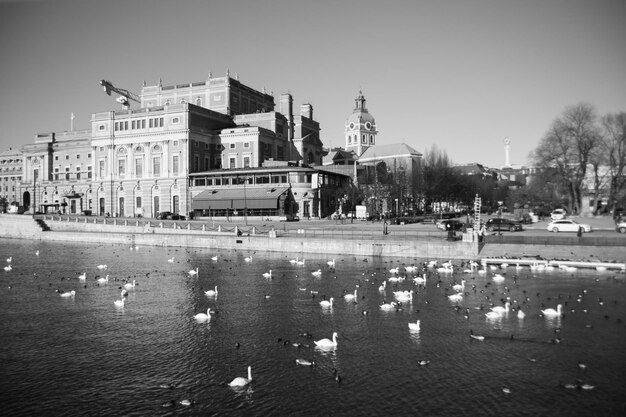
{"points": [[350, 296], [202, 316], [193, 272], [119, 303], [327, 342], [327, 303], [414, 326], [211, 293], [268, 274], [68, 294], [129, 285], [500, 309], [241, 381], [550, 312]]}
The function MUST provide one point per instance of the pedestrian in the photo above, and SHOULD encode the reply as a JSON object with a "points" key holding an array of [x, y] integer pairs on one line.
{"points": [[580, 232]]}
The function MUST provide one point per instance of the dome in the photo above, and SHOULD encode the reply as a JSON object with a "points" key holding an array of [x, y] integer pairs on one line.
{"points": [[360, 118]]}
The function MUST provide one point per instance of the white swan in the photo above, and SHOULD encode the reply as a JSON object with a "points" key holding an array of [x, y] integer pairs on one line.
{"points": [[214, 258], [129, 285], [420, 280], [82, 276], [119, 303], [410, 269], [305, 362], [350, 296], [388, 306], [248, 259], [68, 294], [171, 260], [103, 280], [459, 287], [9, 259], [550, 312], [317, 273], [211, 293], [193, 272], [456, 297], [241, 381], [383, 286], [497, 278], [8, 268], [293, 261], [327, 342], [394, 270], [301, 263], [500, 309], [102, 267], [267, 274], [404, 295], [331, 263], [493, 315], [448, 269], [203, 316], [414, 326], [520, 314], [327, 303]]}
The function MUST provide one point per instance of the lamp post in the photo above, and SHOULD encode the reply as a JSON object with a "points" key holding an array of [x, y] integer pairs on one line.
{"points": [[245, 201], [500, 217]]}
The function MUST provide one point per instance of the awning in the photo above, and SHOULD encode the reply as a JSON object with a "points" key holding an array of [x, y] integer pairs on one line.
{"points": [[238, 198]]}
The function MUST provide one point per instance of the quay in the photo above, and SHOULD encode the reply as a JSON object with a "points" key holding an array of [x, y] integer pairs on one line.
{"points": [[322, 237], [556, 263]]}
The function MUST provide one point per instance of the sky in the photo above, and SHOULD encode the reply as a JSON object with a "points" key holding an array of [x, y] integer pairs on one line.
{"points": [[460, 75]]}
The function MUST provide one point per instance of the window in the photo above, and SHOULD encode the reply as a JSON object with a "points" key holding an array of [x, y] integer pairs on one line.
{"points": [[56, 158], [175, 120], [138, 202], [121, 167], [67, 157], [101, 170], [67, 173], [138, 167], [363, 139], [77, 156], [133, 125], [156, 166], [196, 163], [89, 172], [232, 146], [246, 162], [77, 173], [175, 143], [88, 156], [101, 148], [206, 163], [232, 163], [246, 144], [101, 127], [56, 174], [175, 167]]}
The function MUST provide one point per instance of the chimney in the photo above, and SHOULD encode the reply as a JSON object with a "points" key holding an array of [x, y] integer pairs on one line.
{"points": [[306, 110]]}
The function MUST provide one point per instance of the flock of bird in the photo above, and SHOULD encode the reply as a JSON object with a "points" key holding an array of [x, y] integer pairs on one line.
{"points": [[495, 301]]}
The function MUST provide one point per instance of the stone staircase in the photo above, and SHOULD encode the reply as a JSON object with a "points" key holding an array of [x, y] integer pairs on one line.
{"points": [[42, 224]]}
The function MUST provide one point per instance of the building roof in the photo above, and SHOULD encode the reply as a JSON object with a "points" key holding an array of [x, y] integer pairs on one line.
{"points": [[394, 150], [338, 154], [253, 197]]}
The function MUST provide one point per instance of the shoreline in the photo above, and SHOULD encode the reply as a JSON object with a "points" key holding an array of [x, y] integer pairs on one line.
{"points": [[21, 227]]}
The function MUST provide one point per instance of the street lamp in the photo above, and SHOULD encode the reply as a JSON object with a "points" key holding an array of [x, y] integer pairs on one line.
{"points": [[500, 217]]}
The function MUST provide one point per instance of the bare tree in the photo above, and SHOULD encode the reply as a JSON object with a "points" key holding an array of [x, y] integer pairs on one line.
{"points": [[567, 147], [613, 147]]}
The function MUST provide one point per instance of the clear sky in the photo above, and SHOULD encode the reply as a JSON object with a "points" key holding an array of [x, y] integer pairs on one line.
{"points": [[460, 74]]}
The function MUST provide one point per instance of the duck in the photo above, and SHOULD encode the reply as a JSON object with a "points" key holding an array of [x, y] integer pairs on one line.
{"points": [[305, 362], [267, 274], [327, 303], [241, 381], [203, 316], [415, 326], [550, 312], [327, 342], [211, 293], [193, 272], [477, 337]]}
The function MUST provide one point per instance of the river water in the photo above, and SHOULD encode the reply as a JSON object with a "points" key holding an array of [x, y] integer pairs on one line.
{"points": [[82, 355]]}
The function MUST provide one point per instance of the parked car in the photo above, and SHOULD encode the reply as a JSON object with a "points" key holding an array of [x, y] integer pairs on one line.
{"points": [[621, 227], [494, 224], [455, 225], [567, 225], [168, 215], [558, 214]]}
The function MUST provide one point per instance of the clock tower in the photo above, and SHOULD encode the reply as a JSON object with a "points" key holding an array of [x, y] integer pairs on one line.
{"points": [[360, 131]]}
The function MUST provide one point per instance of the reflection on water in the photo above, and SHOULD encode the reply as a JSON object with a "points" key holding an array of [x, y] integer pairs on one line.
{"points": [[152, 357]]}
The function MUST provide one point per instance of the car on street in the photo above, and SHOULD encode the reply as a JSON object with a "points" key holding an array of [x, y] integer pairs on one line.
{"points": [[455, 225], [567, 225], [558, 214], [495, 224], [168, 215], [621, 227]]}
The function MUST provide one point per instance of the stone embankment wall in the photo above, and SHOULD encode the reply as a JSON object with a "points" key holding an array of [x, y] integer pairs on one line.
{"points": [[25, 227]]}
